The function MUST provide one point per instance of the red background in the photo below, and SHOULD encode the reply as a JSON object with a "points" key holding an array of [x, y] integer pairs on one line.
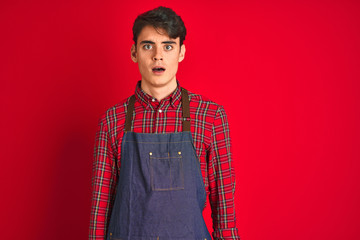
{"points": [[286, 72]]}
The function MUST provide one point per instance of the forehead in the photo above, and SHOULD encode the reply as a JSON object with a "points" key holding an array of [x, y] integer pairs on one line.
{"points": [[149, 33]]}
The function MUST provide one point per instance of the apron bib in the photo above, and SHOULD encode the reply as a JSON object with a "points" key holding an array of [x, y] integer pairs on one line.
{"points": [[160, 192]]}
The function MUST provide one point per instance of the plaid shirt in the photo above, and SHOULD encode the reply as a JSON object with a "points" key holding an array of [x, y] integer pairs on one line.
{"points": [[210, 131]]}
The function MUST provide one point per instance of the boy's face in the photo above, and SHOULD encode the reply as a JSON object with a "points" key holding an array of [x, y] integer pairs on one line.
{"points": [[158, 56]]}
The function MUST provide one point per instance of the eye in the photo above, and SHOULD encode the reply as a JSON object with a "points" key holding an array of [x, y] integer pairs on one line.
{"points": [[168, 47], [147, 46]]}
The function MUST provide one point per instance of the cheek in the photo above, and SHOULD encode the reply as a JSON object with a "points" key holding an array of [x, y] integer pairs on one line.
{"points": [[174, 64], [142, 64]]}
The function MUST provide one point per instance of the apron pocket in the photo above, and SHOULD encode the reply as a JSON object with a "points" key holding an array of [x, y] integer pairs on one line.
{"points": [[166, 173]]}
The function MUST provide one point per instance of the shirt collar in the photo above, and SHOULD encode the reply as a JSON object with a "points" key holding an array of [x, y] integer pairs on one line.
{"points": [[146, 99]]}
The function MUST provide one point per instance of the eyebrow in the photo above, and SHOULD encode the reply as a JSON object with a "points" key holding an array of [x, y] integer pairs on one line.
{"points": [[151, 42]]}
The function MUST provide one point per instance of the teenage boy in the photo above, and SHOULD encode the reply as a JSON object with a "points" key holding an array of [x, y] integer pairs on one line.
{"points": [[161, 151]]}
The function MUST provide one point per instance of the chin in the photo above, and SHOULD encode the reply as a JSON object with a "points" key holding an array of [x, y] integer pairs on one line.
{"points": [[159, 81]]}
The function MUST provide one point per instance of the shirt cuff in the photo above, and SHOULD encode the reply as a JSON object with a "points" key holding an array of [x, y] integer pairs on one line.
{"points": [[226, 234]]}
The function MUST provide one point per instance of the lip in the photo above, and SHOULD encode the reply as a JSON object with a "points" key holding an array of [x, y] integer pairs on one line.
{"points": [[158, 73]]}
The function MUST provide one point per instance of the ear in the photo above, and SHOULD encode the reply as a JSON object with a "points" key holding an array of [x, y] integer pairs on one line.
{"points": [[182, 53], [133, 53]]}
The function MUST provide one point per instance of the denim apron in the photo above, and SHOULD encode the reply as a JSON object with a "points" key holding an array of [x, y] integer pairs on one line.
{"points": [[160, 192]]}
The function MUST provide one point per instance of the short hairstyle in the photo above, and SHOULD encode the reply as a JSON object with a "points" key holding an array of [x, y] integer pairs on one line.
{"points": [[161, 17]]}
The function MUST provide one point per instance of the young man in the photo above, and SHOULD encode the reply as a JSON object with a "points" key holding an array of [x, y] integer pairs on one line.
{"points": [[161, 151]]}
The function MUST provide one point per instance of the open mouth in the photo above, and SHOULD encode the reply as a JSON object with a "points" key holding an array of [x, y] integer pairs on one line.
{"points": [[158, 69]]}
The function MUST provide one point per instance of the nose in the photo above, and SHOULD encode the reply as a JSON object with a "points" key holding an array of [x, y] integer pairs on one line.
{"points": [[157, 54]]}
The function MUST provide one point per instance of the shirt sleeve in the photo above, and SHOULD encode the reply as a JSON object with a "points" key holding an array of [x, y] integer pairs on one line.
{"points": [[103, 182], [222, 181]]}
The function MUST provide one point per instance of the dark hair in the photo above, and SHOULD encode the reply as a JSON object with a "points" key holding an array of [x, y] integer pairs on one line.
{"points": [[161, 17]]}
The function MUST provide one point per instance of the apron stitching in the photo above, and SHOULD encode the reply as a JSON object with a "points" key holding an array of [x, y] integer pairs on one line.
{"points": [[170, 171]]}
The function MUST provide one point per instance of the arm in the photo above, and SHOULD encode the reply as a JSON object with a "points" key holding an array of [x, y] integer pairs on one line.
{"points": [[103, 181], [222, 180]]}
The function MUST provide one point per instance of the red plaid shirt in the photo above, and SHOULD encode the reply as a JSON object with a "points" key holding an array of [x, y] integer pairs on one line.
{"points": [[210, 132]]}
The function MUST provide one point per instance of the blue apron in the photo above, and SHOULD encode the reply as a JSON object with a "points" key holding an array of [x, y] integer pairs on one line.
{"points": [[160, 192]]}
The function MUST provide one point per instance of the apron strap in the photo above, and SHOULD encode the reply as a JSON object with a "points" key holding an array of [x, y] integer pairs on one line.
{"points": [[129, 114], [185, 111]]}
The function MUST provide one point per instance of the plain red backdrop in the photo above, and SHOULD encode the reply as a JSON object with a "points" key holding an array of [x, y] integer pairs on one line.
{"points": [[286, 72]]}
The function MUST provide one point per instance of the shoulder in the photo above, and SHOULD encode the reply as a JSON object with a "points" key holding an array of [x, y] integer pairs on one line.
{"points": [[204, 103], [114, 113]]}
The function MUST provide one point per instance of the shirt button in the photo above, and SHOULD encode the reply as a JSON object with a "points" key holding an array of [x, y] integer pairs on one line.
{"points": [[153, 99], [160, 111]]}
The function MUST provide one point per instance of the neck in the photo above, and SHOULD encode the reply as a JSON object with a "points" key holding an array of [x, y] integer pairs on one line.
{"points": [[159, 92]]}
